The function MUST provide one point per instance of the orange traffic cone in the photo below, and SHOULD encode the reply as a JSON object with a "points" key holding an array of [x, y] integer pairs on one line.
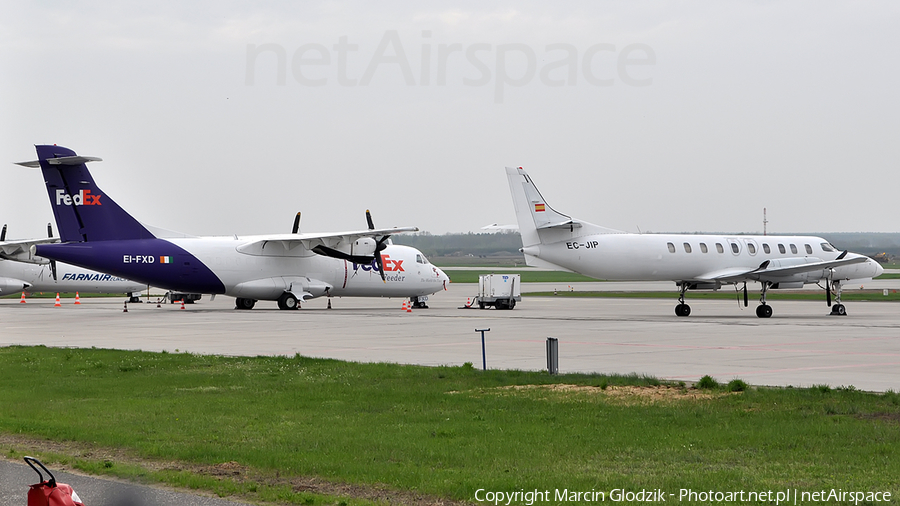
{"points": [[126, 307], [404, 308], [182, 303], [57, 300], [77, 299], [468, 301], [409, 308], [22, 300]]}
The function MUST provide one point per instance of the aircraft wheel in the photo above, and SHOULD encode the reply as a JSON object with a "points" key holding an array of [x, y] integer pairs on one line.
{"points": [[512, 303], [287, 301], [241, 303], [764, 311], [682, 310], [839, 310]]}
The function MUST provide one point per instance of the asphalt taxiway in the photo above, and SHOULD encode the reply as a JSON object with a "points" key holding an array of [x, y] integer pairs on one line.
{"points": [[801, 345]]}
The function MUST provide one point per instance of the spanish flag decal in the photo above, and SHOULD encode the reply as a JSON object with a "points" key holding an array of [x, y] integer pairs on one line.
{"points": [[165, 260], [539, 208]]}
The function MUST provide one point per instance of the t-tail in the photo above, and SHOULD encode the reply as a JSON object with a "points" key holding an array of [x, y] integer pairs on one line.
{"points": [[538, 222], [83, 212]]}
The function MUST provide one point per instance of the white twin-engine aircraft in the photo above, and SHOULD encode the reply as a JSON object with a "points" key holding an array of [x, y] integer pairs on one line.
{"points": [[98, 234], [21, 271], [554, 240]]}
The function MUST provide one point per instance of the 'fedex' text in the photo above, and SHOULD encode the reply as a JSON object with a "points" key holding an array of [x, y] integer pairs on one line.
{"points": [[82, 198]]}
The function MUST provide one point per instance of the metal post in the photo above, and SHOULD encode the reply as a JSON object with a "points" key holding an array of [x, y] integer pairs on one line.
{"points": [[553, 355], [483, 355]]}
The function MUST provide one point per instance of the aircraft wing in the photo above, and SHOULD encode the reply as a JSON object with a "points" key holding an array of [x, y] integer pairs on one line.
{"points": [[308, 241], [20, 251], [767, 272]]}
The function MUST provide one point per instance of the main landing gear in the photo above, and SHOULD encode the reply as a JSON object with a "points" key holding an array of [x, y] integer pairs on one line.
{"points": [[682, 309], [764, 310], [241, 303], [837, 309], [287, 301]]}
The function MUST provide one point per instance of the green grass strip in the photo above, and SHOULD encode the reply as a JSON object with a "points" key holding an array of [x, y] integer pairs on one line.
{"points": [[441, 431]]}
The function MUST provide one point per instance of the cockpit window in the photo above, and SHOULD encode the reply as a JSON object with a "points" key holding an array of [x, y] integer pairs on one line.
{"points": [[827, 247], [421, 259]]}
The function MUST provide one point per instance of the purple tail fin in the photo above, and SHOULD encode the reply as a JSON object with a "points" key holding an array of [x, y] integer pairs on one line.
{"points": [[83, 212]]}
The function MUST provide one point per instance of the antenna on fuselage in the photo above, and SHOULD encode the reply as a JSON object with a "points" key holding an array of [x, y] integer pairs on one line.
{"points": [[765, 221]]}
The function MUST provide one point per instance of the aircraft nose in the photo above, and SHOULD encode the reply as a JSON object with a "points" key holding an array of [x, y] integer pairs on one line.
{"points": [[879, 270], [445, 279]]}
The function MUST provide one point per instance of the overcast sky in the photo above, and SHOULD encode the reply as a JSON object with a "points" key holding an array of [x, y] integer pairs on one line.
{"points": [[229, 117]]}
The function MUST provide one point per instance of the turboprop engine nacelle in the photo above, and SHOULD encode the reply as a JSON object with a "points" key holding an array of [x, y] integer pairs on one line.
{"points": [[12, 285], [364, 246]]}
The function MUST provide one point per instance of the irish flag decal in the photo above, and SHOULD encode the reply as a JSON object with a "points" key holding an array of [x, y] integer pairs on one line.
{"points": [[165, 260], [539, 208]]}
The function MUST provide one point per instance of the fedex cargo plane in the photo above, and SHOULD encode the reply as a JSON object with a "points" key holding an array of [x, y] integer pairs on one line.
{"points": [[96, 233]]}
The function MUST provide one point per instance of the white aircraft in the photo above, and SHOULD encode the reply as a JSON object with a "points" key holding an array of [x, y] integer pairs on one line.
{"points": [[96, 233], [22, 271], [554, 240]]}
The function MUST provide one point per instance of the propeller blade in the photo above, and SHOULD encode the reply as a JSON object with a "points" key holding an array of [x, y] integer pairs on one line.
{"points": [[325, 251], [380, 262], [53, 269], [296, 224], [746, 299], [49, 230], [3, 233], [369, 220], [828, 292]]}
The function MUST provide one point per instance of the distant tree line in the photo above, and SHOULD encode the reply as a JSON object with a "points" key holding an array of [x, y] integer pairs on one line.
{"points": [[508, 243], [482, 244]]}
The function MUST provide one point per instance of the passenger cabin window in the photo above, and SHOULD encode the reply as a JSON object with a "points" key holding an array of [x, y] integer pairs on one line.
{"points": [[808, 249], [719, 247], [671, 248], [703, 247], [752, 248], [734, 248], [793, 249], [766, 248], [827, 247], [781, 248], [687, 248]]}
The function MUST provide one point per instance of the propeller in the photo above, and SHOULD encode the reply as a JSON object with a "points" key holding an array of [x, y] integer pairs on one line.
{"points": [[746, 299], [340, 255], [52, 262], [828, 288], [379, 246], [296, 224], [3, 233]]}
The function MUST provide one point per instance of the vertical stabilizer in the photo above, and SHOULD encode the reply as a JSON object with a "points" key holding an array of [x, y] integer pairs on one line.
{"points": [[538, 222], [82, 211]]}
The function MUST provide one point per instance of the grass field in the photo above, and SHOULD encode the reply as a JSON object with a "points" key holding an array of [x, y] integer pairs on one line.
{"points": [[309, 431]]}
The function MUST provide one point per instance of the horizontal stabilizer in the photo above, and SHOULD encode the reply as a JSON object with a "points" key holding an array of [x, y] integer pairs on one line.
{"points": [[64, 160]]}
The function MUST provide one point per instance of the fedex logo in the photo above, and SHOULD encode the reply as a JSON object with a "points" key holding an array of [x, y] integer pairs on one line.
{"points": [[389, 265], [82, 198]]}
